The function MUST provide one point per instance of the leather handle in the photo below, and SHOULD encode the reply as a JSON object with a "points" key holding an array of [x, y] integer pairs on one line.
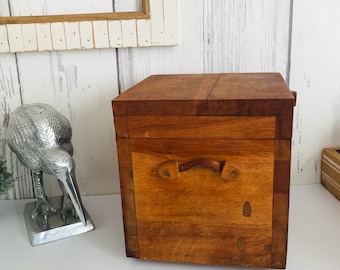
{"points": [[171, 169], [207, 163]]}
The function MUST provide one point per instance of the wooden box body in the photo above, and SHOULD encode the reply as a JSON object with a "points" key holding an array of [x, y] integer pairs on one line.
{"points": [[330, 170], [204, 166]]}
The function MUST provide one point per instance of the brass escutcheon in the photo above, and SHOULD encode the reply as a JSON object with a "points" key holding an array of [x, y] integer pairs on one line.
{"points": [[247, 209], [241, 243], [166, 173], [234, 174]]}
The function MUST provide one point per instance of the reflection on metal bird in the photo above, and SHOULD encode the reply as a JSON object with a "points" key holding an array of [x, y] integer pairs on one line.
{"points": [[41, 138]]}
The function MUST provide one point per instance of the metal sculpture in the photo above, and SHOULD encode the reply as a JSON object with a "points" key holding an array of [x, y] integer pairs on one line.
{"points": [[41, 139]]}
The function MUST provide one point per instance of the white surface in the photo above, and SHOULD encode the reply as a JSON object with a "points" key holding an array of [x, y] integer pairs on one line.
{"points": [[314, 238], [315, 68]]}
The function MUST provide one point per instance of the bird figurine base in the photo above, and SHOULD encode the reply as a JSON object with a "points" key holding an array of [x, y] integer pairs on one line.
{"points": [[56, 228]]}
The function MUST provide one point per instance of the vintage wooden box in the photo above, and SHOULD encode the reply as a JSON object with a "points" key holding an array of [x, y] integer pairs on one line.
{"points": [[204, 164], [330, 170]]}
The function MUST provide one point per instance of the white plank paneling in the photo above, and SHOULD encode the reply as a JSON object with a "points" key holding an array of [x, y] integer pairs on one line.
{"points": [[127, 5], [247, 36], [15, 38], [81, 86], [43, 7], [72, 35], [315, 68], [129, 33], [86, 35], [143, 33], [27, 7], [135, 64], [4, 8], [44, 36], [115, 34], [58, 36], [30, 37], [101, 35], [157, 22], [10, 98], [217, 36], [4, 46], [170, 25]]}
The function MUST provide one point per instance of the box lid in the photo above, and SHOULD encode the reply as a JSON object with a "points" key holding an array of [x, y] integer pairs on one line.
{"points": [[207, 94]]}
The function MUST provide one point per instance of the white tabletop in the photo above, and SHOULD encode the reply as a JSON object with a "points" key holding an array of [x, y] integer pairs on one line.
{"points": [[314, 237]]}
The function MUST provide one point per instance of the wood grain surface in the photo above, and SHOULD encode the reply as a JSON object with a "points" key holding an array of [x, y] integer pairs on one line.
{"points": [[245, 94], [210, 179], [198, 217], [223, 127]]}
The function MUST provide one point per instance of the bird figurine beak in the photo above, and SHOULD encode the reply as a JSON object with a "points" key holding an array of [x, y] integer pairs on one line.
{"points": [[72, 189]]}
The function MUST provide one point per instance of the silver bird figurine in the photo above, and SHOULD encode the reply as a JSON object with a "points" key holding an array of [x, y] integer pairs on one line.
{"points": [[41, 138]]}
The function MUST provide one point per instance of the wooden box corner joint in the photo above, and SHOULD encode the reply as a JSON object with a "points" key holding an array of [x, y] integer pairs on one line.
{"points": [[204, 163]]}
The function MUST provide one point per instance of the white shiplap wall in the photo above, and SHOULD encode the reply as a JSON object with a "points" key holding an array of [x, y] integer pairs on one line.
{"points": [[315, 69], [213, 36], [217, 36]]}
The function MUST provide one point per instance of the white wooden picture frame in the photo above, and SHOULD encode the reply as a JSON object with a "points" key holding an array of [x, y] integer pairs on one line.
{"points": [[154, 25]]}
